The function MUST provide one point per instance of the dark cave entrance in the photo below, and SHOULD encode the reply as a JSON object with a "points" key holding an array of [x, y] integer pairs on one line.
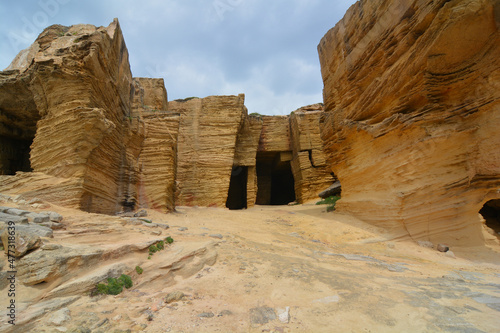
{"points": [[14, 155], [237, 194], [275, 182], [18, 123], [491, 214]]}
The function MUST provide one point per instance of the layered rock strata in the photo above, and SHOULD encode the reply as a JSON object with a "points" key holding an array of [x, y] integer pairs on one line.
{"points": [[208, 130], [411, 93], [86, 134], [158, 153], [274, 176], [78, 84], [310, 171], [245, 158]]}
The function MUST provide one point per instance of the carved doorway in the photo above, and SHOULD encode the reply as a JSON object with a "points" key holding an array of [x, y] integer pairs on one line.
{"points": [[237, 194]]}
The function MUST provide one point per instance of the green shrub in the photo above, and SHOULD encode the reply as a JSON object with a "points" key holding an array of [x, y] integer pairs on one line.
{"points": [[139, 270], [185, 99], [114, 286], [158, 246], [153, 249], [330, 201], [102, 288], [126, 280]]}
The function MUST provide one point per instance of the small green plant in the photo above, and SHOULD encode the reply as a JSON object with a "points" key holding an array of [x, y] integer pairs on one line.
{"points": [[146, 220], [127, 281], [158, 246], [255, 114], [114, 286], [139, 270], [185, 99], [152, 249], [330, 201]]}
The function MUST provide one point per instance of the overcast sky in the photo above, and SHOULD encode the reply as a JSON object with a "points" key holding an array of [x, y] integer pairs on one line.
{"points": [[266, 49]]}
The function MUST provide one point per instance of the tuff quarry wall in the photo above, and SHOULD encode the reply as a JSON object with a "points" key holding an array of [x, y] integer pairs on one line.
{"points": [[412, 111], [208, 130], [309, 166], [75, 85], [158, 155], [78, 130]]}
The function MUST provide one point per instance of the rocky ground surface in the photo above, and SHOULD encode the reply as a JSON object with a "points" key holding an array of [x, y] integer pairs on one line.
{"points": [[264, 269]]}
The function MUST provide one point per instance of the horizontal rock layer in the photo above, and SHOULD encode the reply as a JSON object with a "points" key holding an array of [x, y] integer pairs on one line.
{"points": [[208, 130], [310, 171], [101, 141], [411, 92]]}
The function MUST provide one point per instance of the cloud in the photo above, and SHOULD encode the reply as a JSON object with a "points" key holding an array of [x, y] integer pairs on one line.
{"points": [[265, 49]]}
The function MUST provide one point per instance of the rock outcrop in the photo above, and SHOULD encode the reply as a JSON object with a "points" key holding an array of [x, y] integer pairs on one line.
{"points": [[275, 181], [245, 163], [208, 130], [88, 135], [158, 153], [310, 171], [77, 86], [412, 111]]}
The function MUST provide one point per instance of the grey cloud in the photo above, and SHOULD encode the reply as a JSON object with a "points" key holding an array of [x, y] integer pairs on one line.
{"points": [[266, 49]]}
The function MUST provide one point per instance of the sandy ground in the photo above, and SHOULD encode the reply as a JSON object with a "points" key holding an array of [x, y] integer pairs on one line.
{"points": [[316, 271]]}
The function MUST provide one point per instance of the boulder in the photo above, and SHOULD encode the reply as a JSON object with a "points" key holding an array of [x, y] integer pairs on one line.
{"points": [[334, 189], [262, 315], [38, 217], [47, 265], [443, 248], [13, 218], [26, 238], [17, 212]]}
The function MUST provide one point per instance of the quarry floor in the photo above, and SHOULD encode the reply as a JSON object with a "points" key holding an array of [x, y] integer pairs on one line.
{"points": [[269, 269]]}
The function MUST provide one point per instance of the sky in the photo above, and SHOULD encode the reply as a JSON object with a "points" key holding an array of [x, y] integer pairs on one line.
{"points": [[266, 49]]}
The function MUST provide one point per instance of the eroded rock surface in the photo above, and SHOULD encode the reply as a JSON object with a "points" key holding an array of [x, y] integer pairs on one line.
{"points": [[310, 171], [206, 147], [411, 93], [82, 130]]}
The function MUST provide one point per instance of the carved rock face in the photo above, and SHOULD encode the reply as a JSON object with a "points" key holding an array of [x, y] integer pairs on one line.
{"points": [[411, 91], [99, 140]]}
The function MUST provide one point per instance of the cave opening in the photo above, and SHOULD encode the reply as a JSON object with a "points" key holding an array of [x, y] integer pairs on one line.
{"points": [[491, 214], [18, 124], [237, 194], [14, 155], [275, 182]]}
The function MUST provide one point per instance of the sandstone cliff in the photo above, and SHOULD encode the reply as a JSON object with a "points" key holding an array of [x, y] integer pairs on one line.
{"points": [[76, 86], [310, 171], [247, 144], [411, 92], [158, 153], [208, 130], [78, 130]]}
